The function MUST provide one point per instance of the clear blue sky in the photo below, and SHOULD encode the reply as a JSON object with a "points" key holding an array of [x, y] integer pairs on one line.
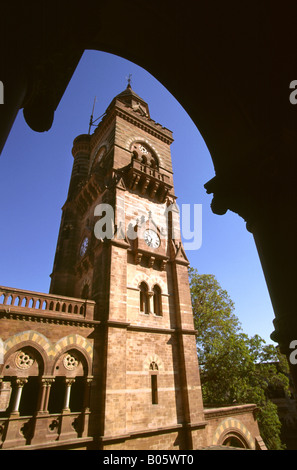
{"points": [[34, 176]]}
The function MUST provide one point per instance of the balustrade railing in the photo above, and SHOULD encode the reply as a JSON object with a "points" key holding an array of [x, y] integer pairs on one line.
{"points": [[150, 171], [22, 300]]}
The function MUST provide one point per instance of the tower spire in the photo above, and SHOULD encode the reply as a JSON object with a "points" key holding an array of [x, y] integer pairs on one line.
{"points": [[129, 80]]}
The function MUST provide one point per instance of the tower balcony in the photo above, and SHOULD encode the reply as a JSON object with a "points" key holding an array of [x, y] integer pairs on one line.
{"points": [[39, 305], [148, 180]]}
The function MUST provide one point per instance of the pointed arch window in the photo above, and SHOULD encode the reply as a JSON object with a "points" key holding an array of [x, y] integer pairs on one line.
{"points": [[144, 298], [157, 300]]}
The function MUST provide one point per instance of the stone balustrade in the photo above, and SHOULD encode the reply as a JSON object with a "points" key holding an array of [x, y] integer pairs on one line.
{"points": [[153, 172], [18, 300]]}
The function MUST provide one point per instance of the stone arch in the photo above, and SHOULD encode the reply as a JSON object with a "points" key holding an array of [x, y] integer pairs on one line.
{"points": [[74, 342], [28, 338], [24, 359], [149, 280], [71, 362], [147, 143], [153, 358], [102, 145], [233, 428], [23, 366], [158, 281], [157, 300], [144, 297]]}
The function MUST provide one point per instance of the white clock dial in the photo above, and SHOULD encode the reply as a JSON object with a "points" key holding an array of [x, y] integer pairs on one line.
{"points": [[84, 246], [151, 238]]}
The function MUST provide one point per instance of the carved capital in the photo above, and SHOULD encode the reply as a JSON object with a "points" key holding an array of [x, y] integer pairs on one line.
{"points": [[21, 382], [69, 381]]}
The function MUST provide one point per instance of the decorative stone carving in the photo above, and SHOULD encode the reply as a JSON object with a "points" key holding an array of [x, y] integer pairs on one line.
{"points": [[24, 360], [70, 362]]}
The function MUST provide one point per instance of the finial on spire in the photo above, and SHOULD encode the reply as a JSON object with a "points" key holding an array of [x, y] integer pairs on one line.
{"points": [[129, 80]]}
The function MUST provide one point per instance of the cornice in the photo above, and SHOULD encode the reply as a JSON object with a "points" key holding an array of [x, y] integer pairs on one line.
{"points": [[10, 314], [148, 127], [212, 413]]}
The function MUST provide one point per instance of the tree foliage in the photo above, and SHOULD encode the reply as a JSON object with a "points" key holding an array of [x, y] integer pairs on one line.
{"points": [[234, 368]]}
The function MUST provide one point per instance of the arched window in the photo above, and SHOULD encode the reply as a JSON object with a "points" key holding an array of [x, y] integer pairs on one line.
{"points": [[153, 366], [234, 441], [144, 298], [154, 382], [157, 300], [22, 383], [144, 154], [68, 389]]}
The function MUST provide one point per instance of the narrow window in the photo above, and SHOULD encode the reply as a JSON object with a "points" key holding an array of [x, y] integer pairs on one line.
{"points": [[157, 300], [144, 299], [154, 382], [154, 385]]}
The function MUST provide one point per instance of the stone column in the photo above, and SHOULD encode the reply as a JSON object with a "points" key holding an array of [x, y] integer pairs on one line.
{"points": [[47, 394], [69, 383], [20, 382], [150, 299], [86, 403], [44, 394]]}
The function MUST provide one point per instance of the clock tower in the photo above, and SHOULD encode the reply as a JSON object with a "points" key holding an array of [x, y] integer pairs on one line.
{"points": [[119, 245]]}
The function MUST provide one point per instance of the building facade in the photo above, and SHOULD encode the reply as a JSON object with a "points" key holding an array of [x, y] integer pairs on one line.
{"points": [[107, 359]]}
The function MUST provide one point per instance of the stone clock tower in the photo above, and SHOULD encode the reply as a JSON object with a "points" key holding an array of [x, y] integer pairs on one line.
{"points": [[107, 359], [119, 245]]}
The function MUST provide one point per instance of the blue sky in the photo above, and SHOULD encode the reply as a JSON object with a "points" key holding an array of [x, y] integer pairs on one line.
{"points": [[34, 176]]}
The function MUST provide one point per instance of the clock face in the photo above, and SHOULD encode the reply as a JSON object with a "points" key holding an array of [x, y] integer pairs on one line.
{"points": [[151, 238], [84, 246], [100, 154]]}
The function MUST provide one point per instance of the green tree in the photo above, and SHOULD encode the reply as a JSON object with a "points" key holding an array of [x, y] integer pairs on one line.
{"points": [[234, 368]]}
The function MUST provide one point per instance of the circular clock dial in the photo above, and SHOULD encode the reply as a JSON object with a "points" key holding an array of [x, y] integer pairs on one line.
{"points": [[84, 246], [151, 238]]}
